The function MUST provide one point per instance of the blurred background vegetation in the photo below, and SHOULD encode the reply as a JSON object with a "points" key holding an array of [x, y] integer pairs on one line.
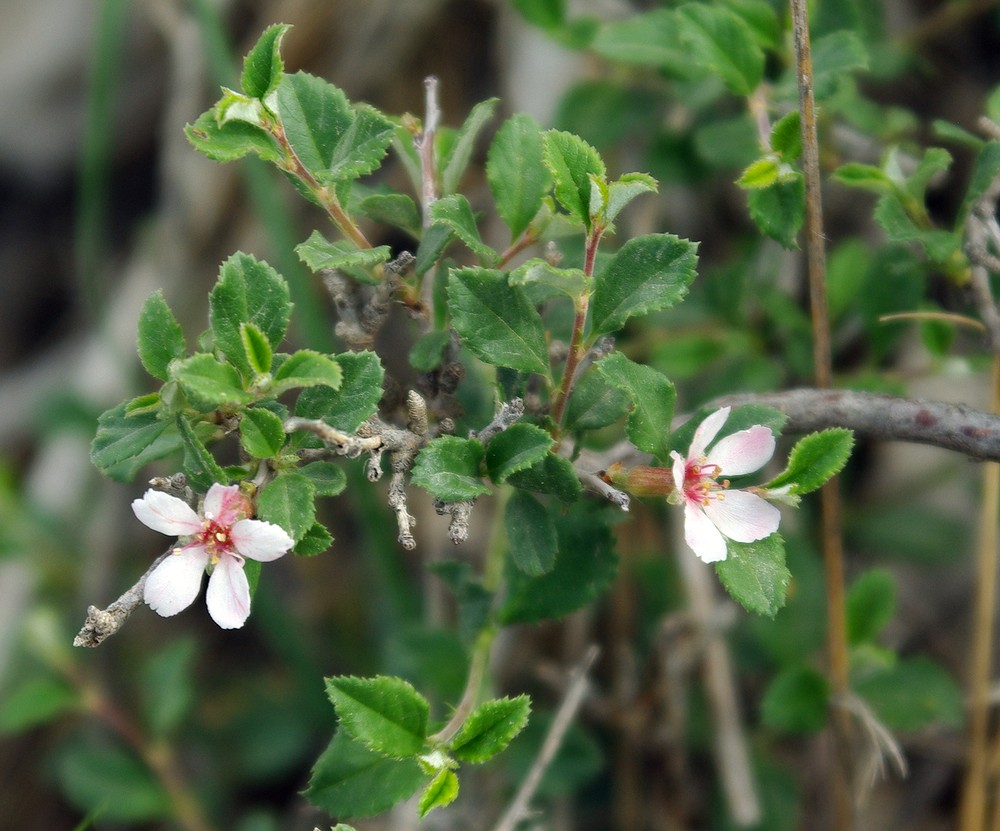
{"points": [[174, 723]]}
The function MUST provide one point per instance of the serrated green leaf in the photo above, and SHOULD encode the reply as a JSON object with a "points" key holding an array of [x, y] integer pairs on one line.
{"points": [[652, 396], [913, 694], [256, 348], [160, 338], [455, 213], [200, 466], [307, 368], [870, 603], [595, 403], [531, 534], [349, 780], [433, 243], [395, 209], [262, 433], [263, 67], [320, 254], [552, 475], [546, 14], [517, 177], [786, 136], [834, 57], [517, 448], [585, 566], [314, 541], [231, 140], [210, 381], [362, 148], [288, 500], [755, 574], [384, 713], [571, 162], [761, 174], [866, 176], [440, 792], [536, 272], [248, 291], [454, 163], [649, 39], [496, 321], [779, 209], [426, 353], [648, 273], [355, 401], [796, 701], [984, 172], [36, 701], [814, 460], [328, 478], [490, 728], [722, 42], [125, 443], [316, 115], [624, 190], [448, 469]]}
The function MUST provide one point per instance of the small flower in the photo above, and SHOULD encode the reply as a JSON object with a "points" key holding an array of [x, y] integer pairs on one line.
{"points": [[220, 538], [713, 511]]}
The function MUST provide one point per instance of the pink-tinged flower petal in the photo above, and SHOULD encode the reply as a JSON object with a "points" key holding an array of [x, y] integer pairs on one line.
{"points": [[743, 452], [174, 583], [260, 540], [743, 517], [226, 504], [706, 431], [166, 514], [679, 468], [228, 595], [702, 536]]}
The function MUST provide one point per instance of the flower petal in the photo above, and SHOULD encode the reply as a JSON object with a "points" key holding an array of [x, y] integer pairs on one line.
{"points": [[702, 536], [679, 468], [706, 431], [166, 514], [228, 595], [743, 452], [174, 584], [742, 516], [226, 504], [260, 540]]}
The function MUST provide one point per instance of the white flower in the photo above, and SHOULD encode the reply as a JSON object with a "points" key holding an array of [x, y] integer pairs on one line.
{"points": [[713, 511], [221, 538]]}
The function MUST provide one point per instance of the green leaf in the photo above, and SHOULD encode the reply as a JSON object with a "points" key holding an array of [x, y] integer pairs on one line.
{"points": [[595, 403], [649, 273], [199, 464], [571, 162], [314, 541], [231, 140], [546, 14], [552, 475], [328, 478], [531, 534], [986, 169], [865, 176], [455, 162], [396, 209], [36, 701], [355, 401], [125, 443], [650, 39], [263, 67], [385, 714], [315, 115], [755, 574], [814, 460], [779, 209], [426, 353], [652, 396], [722, 42], [210, 381], [320, 254], [536, 272], [761, 174], [349, 780], [585, 567], [108, 779], [448, 469], [623, 191], [517, 177], [796, 701], [262, 433], [834, 57], [496, 321], [433, 242], [362, 147], [913, 694], [167, 686], [490, 728], [248, 291], [288, 500], [786, 136], [256, 348], [440, 792], [455, 212], [160, 339], [517, 448], [870, 603], [306, 368]]}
